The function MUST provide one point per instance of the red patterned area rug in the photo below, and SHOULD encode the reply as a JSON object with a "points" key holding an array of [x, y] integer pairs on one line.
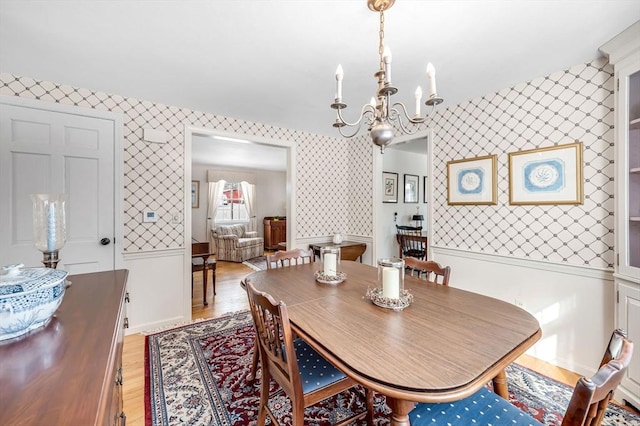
{"points": [[195, 375]]}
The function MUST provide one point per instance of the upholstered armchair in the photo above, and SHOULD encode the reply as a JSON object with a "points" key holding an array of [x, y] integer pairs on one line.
{"points": [[234, 243]]}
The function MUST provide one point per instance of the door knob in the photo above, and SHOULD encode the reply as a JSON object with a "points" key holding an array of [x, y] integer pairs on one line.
{"points": [[105, 241]]}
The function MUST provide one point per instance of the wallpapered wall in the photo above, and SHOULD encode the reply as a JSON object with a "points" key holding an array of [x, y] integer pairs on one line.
{"points": [[572, 105], [154, 174], [334, 176]]}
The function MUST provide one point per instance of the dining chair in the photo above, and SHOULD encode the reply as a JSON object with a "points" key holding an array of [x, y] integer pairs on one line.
{"points": [[430, 270], [412, 242], [304, 375], [586, 407], [279, 260], [201, 260], [289, 258]]}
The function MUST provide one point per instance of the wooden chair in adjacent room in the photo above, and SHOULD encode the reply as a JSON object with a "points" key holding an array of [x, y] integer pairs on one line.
{"points": [[289, 258], [412, 242], [303, 374], [586, 407], [430, 270], [201, 260]]}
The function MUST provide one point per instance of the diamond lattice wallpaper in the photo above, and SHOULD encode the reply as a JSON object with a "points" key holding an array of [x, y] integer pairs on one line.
{"points": [[334, 176], [154, 174], [576, 104]]}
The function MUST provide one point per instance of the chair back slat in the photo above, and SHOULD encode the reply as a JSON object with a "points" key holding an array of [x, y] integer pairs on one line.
{"points": [[289, 258], [275, 338], [430, 270]]}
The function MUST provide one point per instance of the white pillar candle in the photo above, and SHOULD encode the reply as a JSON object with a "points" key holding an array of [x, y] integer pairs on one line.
{"points": [[431, 73], [339, 76], [51, 228], [390, 282], [330, 265]]}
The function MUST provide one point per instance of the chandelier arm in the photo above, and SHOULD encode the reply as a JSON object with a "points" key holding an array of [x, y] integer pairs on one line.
{"points": [[414, 120], [366, 110], [396, 117]]}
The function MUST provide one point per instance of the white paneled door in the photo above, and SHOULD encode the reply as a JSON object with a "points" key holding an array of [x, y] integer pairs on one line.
{"points": [[44, 149]]}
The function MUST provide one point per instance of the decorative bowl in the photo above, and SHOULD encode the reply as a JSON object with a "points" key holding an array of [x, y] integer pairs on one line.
{"points": [[28, 298]]}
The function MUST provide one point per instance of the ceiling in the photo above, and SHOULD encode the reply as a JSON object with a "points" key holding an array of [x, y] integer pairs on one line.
{"points": [[274, 61]]}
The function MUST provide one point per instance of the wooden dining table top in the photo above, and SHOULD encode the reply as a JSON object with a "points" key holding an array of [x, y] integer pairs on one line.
{"points": [[444, 346]]}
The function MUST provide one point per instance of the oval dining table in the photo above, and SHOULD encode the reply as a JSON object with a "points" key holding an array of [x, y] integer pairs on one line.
{"points": [[444, 346]]}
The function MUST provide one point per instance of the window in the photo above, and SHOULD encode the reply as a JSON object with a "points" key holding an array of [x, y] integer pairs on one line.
{"points": [[232, 207]]}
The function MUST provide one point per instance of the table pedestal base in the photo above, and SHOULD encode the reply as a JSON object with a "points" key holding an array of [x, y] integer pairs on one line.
{"points": [[400, 409]]}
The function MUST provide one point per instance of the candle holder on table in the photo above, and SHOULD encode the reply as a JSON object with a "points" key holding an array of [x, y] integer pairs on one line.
{"points": [[330, 273], [390, 292], [49, 229]]}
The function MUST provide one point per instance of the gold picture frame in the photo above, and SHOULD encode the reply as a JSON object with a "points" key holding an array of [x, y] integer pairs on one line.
{"points": [[551, 175], [473, 181]]}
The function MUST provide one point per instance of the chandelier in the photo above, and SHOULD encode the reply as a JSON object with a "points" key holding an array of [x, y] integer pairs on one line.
{"points": [[381, 115]]}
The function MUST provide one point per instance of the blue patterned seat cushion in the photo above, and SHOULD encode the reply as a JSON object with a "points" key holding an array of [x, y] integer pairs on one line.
{"points": [[315, 371], [483, 408]]}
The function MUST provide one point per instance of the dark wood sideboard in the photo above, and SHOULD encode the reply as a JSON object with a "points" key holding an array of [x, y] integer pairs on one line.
{"points": [[275, 231], [70, 371]]}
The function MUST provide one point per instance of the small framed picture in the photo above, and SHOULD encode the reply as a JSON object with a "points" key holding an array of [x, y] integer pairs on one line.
{"points": [[424, 190], [472, 181], [389, 187], [411, 186], [550, 175], [195, 194]]}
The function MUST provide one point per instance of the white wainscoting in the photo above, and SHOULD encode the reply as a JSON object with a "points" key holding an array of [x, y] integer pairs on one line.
{"points": [[158, 293], [574, 305]]}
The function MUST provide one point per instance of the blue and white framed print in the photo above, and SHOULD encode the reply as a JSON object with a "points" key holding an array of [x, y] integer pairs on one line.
{"points": [[551, 175], [473, 181]]}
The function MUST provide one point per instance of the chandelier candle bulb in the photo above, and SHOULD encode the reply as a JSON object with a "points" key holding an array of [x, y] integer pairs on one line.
{"points": [[386, 58], [431, 73], [339, 76], [418, 96]]}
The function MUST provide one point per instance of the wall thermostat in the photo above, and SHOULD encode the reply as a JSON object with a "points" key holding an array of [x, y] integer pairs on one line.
{"points": [[149, 216]]}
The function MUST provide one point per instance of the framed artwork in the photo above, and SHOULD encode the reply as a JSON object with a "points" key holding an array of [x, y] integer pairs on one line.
{"points": [[424, 190], [411, 186], [195, 194], [389, 187], [473, 181], [550, 175]]}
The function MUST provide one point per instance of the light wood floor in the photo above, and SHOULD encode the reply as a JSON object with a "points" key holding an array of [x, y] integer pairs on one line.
{"points": [[230, 297]]}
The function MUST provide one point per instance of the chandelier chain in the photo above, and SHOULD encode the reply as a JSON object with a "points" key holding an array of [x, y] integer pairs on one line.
{"points": [[381, 35]]}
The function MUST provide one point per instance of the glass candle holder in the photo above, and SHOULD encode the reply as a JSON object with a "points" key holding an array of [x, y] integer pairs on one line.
{"points": [[330, 256], [391, 277], [49, 230]]}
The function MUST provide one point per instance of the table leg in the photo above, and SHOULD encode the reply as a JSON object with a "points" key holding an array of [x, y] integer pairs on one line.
{"points": [[204, 283], [400, 409], [500, 386], [213, 277]]}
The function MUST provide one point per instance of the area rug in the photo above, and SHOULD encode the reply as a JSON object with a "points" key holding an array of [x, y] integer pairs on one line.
{"points": [[196, 375], [257, 263]]}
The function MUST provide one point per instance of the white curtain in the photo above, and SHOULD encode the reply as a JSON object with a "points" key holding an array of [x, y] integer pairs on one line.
{"points": [[215, 196], [249, 194]]}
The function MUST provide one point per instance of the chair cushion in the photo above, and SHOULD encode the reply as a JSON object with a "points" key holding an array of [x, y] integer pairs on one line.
{"points": [[483, 408], [315, 371]]}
